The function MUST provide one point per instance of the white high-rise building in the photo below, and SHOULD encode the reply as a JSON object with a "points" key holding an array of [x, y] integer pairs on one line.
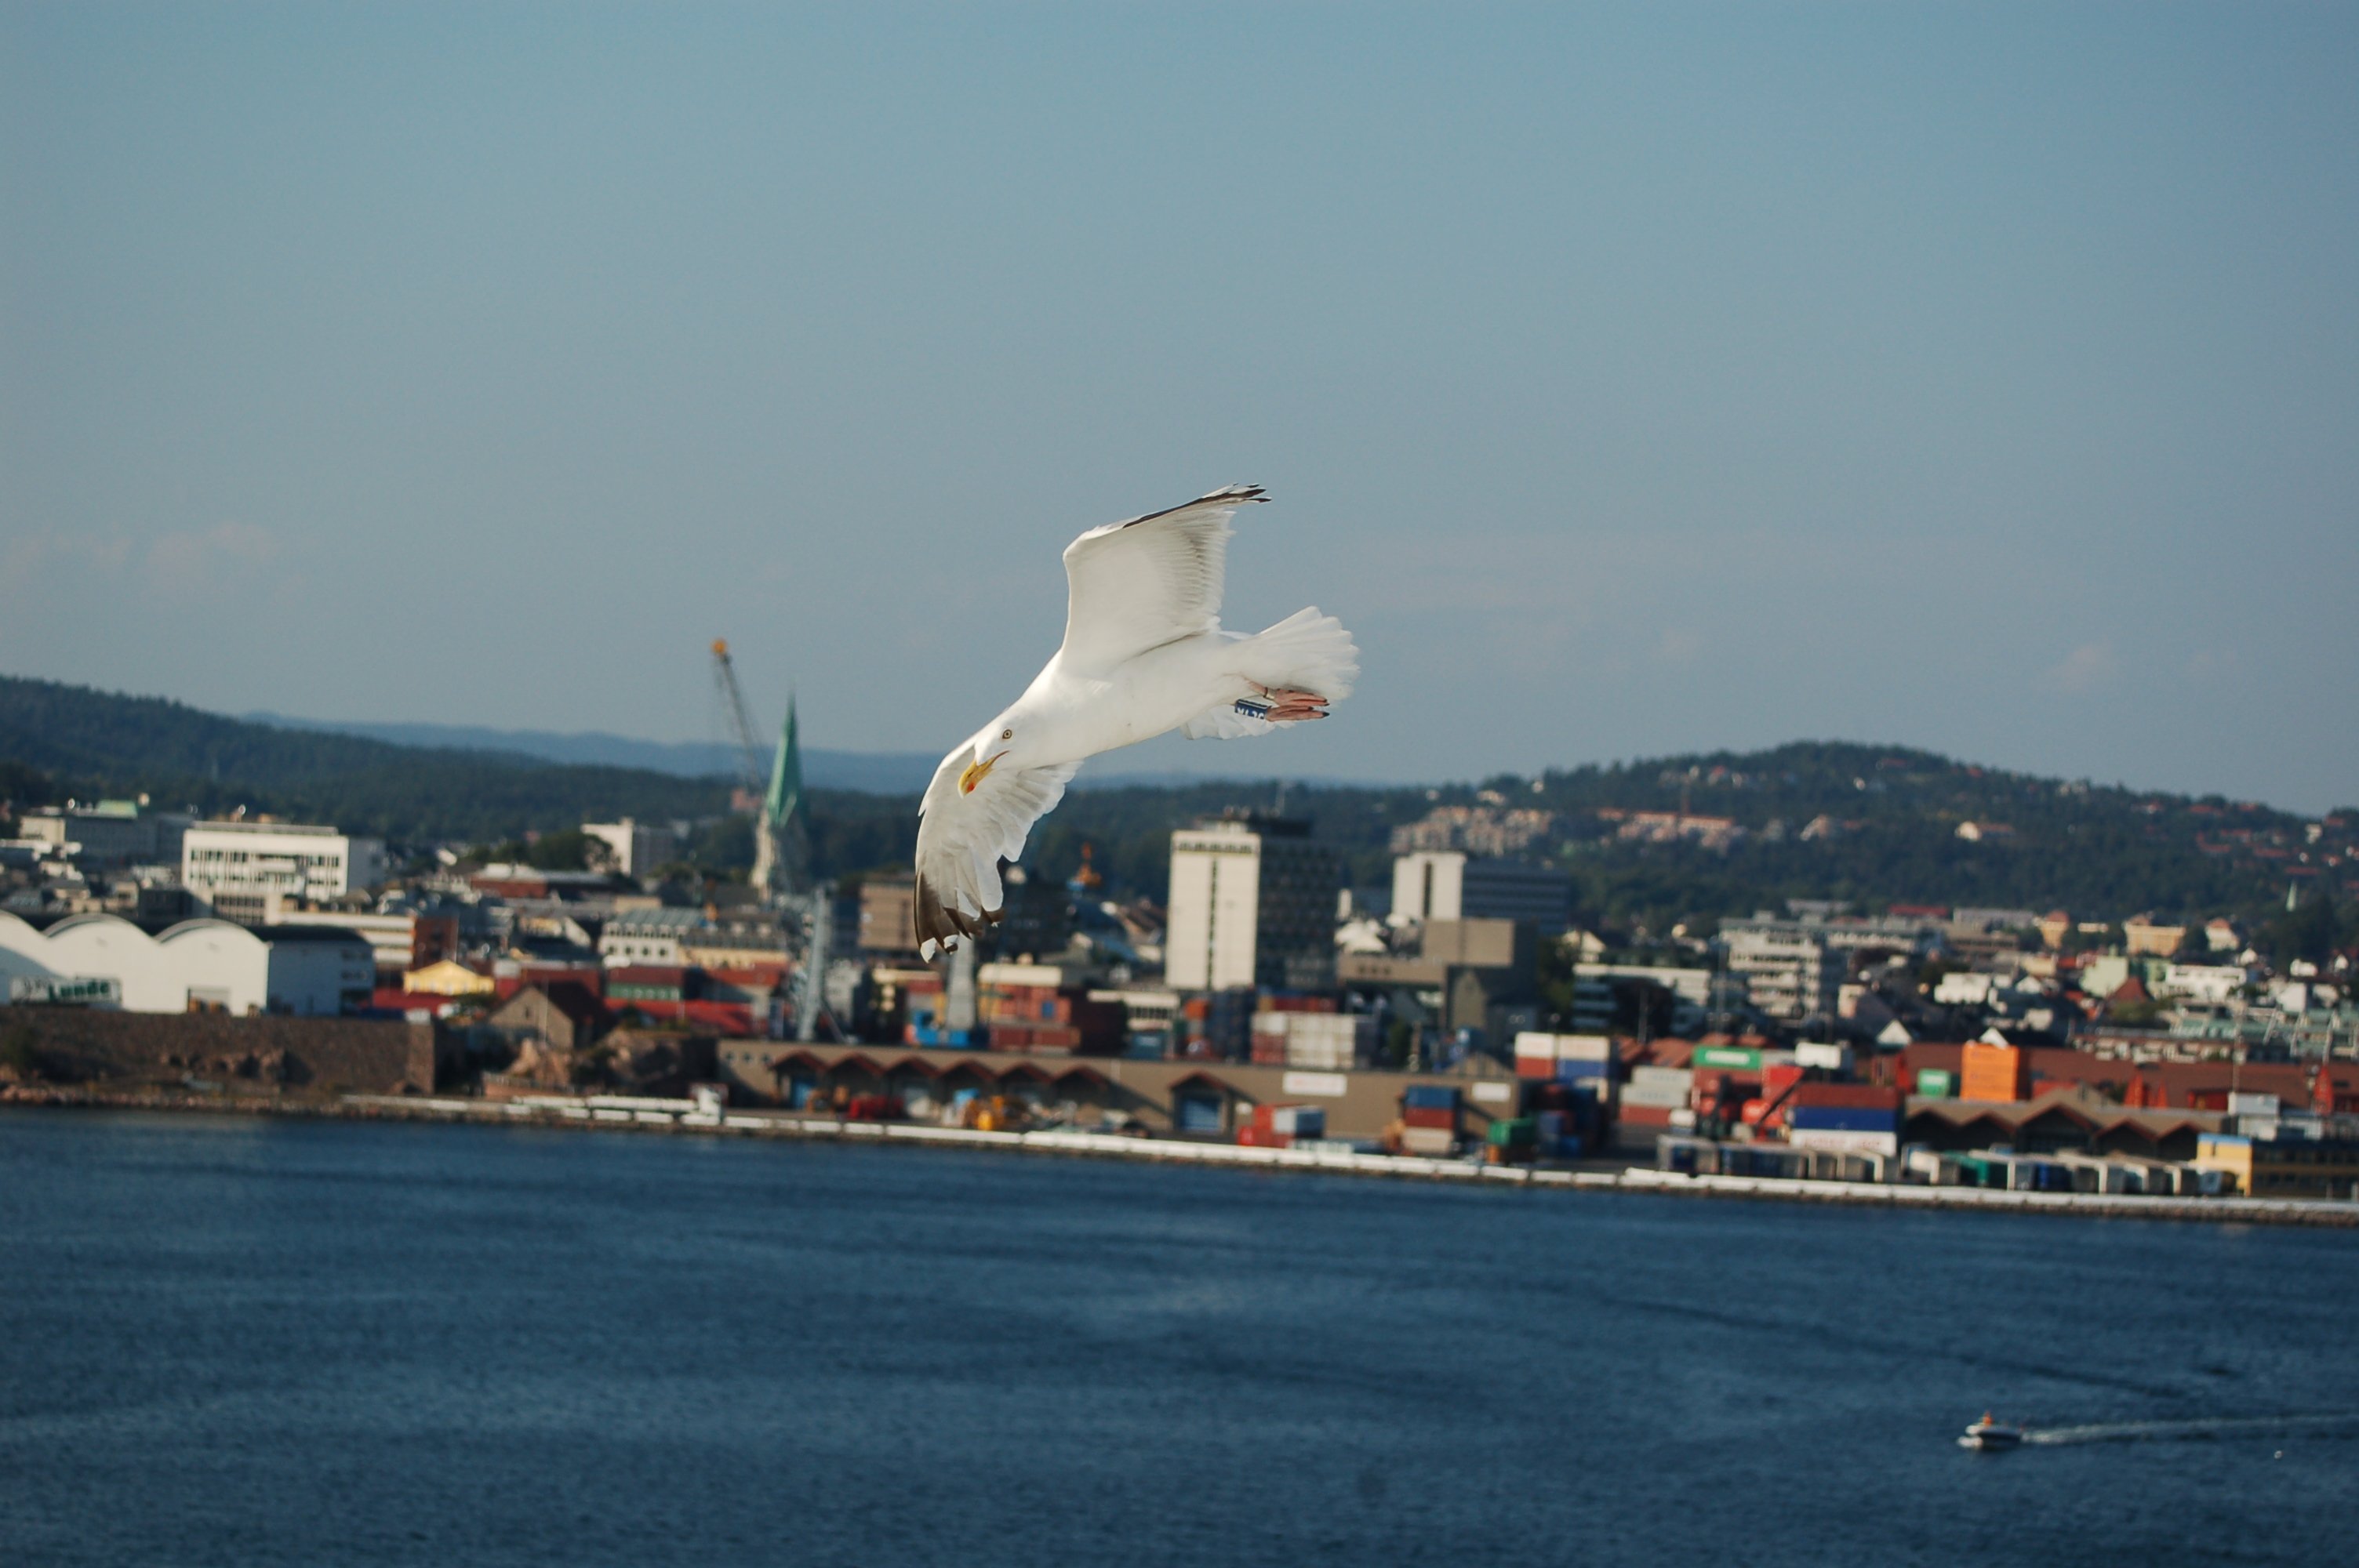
{"points": [[245, 870], [637, 848], [1252, 904]]}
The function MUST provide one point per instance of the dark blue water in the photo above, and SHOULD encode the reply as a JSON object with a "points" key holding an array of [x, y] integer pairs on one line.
{"points": [[241, 1342]]}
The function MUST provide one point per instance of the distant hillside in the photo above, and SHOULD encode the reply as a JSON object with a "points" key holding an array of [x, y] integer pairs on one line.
{"points": [[880, 773], [1870, 826], [1873, 826], [86, 743]]}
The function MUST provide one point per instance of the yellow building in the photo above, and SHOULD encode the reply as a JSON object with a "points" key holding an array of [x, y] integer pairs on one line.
{"points": [[449, 978], [2282, 1167], [2143, 937]]}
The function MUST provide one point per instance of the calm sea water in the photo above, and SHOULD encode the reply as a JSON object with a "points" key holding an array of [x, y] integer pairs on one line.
{"points": [[240, 1342]]}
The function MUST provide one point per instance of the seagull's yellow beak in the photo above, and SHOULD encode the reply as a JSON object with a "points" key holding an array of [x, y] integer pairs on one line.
{"points": [[976, 773]]}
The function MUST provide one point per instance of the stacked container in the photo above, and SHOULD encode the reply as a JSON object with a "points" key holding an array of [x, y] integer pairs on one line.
{"points": [[1429, 1119], [1858, 1116], [1994, 1073], [1328, 1042], [1219, 1023], [1654, 1093], [1560, 1137], [1565, 1057], [1281, 1126]]}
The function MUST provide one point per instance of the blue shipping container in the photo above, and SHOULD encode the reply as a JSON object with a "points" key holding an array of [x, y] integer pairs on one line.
{"points": [[1430, 1096], [1580, 1072], [1841, 1119]]}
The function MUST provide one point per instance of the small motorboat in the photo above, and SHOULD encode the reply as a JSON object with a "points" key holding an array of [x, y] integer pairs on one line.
{"points": [[1989, 1437]]}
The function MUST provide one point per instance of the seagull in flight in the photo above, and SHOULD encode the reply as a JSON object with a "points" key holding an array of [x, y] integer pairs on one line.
{"points": [[1144, 654]]}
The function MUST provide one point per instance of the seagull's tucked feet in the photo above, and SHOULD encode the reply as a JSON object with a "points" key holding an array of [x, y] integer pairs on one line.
{"points": [[1287, 705]]}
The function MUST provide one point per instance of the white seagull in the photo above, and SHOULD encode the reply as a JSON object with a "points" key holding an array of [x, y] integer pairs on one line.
{"points": [[1144, 653]]}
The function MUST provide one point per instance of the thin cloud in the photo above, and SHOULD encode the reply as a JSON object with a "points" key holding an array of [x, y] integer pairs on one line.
{"points": [[196, 555], [30, 557], [2085, 668]]}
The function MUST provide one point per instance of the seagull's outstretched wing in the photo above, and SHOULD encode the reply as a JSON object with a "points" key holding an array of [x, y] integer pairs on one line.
{"points": [[961, 839], [1139, 584]]}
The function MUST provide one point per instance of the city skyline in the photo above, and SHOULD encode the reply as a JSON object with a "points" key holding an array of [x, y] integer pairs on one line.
{"points": [[1632, 382]]}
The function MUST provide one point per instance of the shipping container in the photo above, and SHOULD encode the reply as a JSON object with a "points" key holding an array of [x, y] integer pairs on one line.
{"points": [[1844, 1141], [1994, 1073], [1679, 1078], [1431, 1116], [1432, 1141], [1871, 1096], [1320, 1055], [1513, 1130], [1935, 1082], [1564, 1047], [1431, 1097], [1297, 1120], [1841, 1119]]}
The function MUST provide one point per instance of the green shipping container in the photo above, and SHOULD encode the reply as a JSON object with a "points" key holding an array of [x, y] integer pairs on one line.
{"points": [[1741, 1058], [1514, 1132], [1935, 1082]]}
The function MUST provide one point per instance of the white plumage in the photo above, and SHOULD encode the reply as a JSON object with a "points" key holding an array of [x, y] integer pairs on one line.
{"points": [[1144, 654]]}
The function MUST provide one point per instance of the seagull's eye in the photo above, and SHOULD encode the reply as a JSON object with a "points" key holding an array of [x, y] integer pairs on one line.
{"points": [[1007, 735]]}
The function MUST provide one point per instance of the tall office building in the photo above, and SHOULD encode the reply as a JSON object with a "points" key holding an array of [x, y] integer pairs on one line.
{"points": [[1449, 884], [1252, 904]]}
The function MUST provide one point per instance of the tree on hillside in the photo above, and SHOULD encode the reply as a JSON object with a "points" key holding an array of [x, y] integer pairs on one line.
{"points": [[2312, 929]]}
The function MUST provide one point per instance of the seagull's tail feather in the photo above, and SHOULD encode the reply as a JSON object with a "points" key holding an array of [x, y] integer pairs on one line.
{"points": [[1308, 651]]}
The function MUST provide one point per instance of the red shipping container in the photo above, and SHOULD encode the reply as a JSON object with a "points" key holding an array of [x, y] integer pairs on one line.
{"points": [[1848, 1097], [1645, 1115], [1776, 1081], [1441, 1116]]}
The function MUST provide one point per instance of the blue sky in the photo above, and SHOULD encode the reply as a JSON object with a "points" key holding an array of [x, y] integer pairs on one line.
{"points": [[1630, 379]]}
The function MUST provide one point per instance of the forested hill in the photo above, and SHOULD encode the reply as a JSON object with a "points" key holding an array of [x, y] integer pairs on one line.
{"points": [[59, 741], [1870, 824]]}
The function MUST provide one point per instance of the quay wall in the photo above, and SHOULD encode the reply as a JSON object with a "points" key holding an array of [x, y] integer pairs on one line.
{"points": [[322, 1055]]}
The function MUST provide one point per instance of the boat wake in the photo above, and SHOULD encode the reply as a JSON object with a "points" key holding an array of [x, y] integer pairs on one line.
{"points": [[2332, 1424]]}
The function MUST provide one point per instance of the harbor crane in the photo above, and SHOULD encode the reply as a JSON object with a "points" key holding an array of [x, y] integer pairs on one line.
{"points": [[750, 764]]}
